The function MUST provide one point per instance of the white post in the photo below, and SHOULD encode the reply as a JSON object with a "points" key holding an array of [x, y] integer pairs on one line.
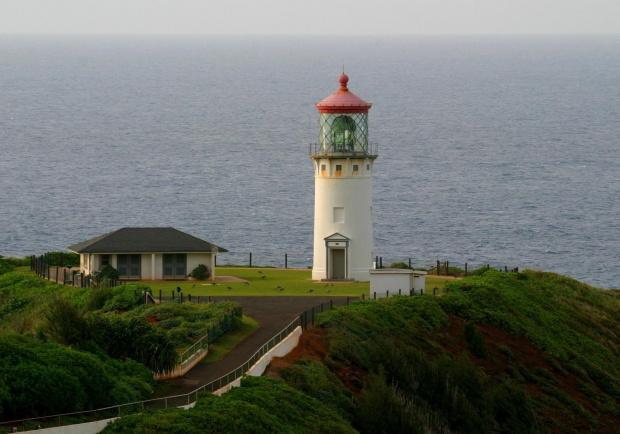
{"points": [[152, 266]]}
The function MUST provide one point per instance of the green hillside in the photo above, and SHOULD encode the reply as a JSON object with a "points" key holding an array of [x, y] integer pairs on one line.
{"points": [[518, 352], [66, 349]]}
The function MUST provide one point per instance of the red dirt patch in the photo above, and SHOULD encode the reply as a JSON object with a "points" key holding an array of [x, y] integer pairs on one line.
{"points": [[313, 345], [152, 320]]}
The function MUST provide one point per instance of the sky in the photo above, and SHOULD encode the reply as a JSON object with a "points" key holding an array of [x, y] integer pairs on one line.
{"points": [[316, 17]]}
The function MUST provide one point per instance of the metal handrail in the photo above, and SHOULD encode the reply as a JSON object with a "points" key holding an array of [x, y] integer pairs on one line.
{"points": [[331, 149]]}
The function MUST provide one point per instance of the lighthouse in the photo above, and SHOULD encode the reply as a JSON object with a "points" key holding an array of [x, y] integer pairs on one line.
{"points": [[343, 160]]}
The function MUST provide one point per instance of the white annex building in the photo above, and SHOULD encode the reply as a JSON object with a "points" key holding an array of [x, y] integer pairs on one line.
{"points": [[343, 160]]}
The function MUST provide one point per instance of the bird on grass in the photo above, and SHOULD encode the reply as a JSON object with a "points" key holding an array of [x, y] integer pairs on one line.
{"points": [[194, 285], [311, 290], [329, 290], [263, 277], [260, 272], [326, 285], [229, 288], [247, 283]]}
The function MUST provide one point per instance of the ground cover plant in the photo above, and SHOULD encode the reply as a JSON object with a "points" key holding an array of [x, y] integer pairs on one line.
{"points": [[260, 405]]}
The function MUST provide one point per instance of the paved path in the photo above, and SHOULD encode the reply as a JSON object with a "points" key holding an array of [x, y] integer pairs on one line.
{"points": [[272, 313]]}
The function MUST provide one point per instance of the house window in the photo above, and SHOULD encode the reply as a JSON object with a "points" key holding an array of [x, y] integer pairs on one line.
{"points": [[128, 266], [105, 261], [175, 266], [338, 169]]}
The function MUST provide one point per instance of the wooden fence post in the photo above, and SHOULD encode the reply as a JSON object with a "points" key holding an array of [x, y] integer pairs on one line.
{"points": [[465, 269], [160, 296], [285, 261], [447, 267], [250, 259]]}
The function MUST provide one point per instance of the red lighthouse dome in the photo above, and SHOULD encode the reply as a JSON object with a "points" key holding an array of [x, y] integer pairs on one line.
{"points": [[343, 100]]}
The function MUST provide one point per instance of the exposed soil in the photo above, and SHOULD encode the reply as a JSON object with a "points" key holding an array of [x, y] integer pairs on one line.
{"points": [[152, 320]]}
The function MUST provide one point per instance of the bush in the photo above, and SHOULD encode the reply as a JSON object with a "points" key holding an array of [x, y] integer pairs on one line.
{"points": [[109, 272], [475, 340], [39, 378], [5, 266], [66, 325], [400, 265], [127, 296], [201, 272]]}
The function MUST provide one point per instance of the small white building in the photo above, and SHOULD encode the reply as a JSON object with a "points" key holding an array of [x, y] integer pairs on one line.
{"points": [[386, 282], [147, 254]]}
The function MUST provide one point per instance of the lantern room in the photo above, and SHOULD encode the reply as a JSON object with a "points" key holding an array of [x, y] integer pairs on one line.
{"points": [[343, 123]]}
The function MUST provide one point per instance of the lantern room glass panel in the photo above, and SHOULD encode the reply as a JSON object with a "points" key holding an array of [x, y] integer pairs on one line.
{"points": [[343, 133]]}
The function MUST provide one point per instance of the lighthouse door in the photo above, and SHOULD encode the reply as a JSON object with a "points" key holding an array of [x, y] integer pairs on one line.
{"points": [[338, 264]]}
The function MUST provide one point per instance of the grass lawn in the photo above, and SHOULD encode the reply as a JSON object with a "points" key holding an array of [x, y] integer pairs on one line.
{"points": [[223, 345], [265, 281]]}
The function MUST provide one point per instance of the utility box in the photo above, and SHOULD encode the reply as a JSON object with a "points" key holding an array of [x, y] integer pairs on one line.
{"points": [[386, 282]]}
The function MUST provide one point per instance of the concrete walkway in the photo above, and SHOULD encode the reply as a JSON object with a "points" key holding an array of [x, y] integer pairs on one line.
{"points": [[272, 313]]}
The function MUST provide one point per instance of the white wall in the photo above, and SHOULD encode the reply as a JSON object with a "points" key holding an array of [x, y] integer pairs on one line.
{"points": [[353, 192], [393, 279]]}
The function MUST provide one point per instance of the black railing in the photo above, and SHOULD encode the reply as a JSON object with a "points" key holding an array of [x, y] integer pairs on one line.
{"points": [[344, 151]]}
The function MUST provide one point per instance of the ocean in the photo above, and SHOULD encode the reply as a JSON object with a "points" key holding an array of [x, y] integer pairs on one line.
{"points": [[492, 150]]}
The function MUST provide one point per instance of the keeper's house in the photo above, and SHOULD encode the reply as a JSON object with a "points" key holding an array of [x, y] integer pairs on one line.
{"points": [[147, 253]]}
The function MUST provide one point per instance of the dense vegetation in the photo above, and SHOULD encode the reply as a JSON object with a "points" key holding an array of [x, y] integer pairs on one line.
{"points": [[67, 349], [260, 405], [516, 352]]}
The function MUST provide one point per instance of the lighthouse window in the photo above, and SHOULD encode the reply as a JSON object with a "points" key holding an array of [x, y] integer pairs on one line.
{"points": [[338, 214], [368, 167], [322, 169], [338, 169], [343, 133], [356, 168]]}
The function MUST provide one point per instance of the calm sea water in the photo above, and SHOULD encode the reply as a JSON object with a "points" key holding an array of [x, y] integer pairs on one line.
{"points": [[493, 150]]}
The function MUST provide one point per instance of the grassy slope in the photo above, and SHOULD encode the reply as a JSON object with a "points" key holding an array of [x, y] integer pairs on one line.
{"points": [[551, 359]]}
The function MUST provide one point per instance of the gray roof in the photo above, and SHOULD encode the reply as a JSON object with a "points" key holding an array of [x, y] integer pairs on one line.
{"points": [[145, 240]]}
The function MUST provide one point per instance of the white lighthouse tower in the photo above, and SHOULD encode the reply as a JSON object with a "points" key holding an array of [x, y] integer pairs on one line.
{"points": [[343, 160]]}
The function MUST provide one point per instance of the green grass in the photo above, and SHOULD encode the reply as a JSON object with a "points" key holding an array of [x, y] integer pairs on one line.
{"points": [[264, 281], [226, 343]]}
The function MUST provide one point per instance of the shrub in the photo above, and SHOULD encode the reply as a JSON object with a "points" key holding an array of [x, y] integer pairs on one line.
{"points": [[66, 325], [127, 296], [5, 266], [39, 378], [201, 272], [475, 340], [401, 265], [109, 272]]}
